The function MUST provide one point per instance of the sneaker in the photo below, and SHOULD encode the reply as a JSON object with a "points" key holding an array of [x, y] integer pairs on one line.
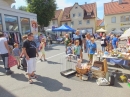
{"points": [[45, 60], [41, 60], [9, 72]]}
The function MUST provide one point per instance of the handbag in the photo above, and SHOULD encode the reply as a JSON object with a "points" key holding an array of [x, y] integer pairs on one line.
{"points": [[12, 61]]}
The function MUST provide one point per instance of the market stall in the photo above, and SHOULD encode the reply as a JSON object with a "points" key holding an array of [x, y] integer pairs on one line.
{"points": [[125, 35]]}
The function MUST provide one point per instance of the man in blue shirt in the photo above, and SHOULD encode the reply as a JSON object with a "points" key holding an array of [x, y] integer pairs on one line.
{"points": [[114, 42]]}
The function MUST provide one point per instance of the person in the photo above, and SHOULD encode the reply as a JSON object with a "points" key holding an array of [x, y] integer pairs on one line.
{"points": [[104, 42], [34, 27], [87, 43], [114, 42], [42, 49], [128, 41], [77, 50], [93, 49], [4, 52], [30, 52], [67, 41], [22, 56], [79, 37], [40, 37], [16, 54], [69, 51]]}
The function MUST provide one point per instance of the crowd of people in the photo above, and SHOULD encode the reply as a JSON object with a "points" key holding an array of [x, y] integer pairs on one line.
{"points": [[75, 45], [87, 43]]}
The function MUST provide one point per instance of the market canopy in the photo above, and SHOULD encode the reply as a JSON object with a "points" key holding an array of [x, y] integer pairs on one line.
{"points": [[101, 30], [65, 28], [126, 34], [117, 31]]}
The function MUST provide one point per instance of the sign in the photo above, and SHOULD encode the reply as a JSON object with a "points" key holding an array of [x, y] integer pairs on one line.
{"points": [[34, 26], [125, 24]]}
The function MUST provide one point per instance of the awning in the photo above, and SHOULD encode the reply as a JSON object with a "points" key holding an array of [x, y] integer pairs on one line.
{"points": [[101, 30]]}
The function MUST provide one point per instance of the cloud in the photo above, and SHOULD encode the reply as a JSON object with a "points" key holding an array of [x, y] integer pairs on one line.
{"points": [[61, 4]]}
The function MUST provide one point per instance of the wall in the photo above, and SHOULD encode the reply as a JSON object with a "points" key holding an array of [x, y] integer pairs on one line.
{"points": [[109, 26], [6, 3], [59, 18]]}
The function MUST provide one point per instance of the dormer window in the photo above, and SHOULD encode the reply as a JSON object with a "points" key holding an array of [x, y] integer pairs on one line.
{"points": [[67, 16], [89, 13], [76, 7]]}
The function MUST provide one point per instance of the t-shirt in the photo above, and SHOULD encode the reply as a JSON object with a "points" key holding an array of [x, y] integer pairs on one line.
{"points": [[30, 48], [93, 48], [77, 50], [16, 51], [114, 40], [104, 42], [3, 49], [78, 37]]}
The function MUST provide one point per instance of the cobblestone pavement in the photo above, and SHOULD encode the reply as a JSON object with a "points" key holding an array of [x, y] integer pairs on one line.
{"points": [[51, 84]]}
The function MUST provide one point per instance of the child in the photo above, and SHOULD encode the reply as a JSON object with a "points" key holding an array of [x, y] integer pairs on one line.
{"points": [[42, 49], [93, 48], [77, 49], [16, 53], [69, 51]]}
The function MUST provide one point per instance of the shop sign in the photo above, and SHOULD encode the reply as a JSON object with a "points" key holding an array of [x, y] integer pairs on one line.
{"points": [[125, 24]]}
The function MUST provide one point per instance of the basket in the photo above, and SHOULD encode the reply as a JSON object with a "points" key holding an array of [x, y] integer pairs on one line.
{"points": [[81, 71]]}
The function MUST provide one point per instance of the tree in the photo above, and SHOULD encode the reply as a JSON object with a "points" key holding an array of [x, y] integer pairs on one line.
{"points": [[23, 8], [45, 10]]}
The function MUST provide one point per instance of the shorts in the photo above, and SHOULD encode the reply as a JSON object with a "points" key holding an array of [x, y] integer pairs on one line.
{"points": [[17, 58], [90, 56], [31, 65]]}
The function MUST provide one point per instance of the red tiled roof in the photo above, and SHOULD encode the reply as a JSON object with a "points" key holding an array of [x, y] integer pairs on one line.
{"points": [[57, 13], [99, 22], [116, 8], [92, 7]]}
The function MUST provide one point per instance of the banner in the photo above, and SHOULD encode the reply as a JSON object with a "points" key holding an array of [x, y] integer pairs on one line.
{"points": [[34, 27]]}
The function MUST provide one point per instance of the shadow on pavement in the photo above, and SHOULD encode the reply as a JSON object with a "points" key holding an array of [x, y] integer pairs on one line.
{"points": [[1, 62], [19, 77], [50, 84], [52, 62], [5, 93], [47, 49]]}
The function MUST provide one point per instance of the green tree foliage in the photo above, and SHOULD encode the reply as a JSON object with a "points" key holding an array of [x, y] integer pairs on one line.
{"points": [[45, 10], [23, 8]]}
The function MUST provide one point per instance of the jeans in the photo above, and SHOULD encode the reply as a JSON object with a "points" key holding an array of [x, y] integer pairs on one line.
{"points": [[5, 61], [103, 49]]}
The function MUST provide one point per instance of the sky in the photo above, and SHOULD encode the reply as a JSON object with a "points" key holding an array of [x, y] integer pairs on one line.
{"points": [[66, 3]]}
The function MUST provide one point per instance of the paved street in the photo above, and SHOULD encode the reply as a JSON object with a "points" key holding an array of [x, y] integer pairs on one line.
{"points": [[51, 84]]}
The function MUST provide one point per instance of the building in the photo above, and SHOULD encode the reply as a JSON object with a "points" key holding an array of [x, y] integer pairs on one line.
{"points": [[81, 17], [117, 15], [13, 20], [100, 24], [55, 22]]}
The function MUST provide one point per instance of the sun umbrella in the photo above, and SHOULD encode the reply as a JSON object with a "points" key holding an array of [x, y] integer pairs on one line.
{"points": [[126, 34], [101, 30]]}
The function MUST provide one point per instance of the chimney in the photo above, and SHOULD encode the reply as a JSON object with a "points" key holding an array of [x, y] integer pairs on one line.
{"points": [[85, 2], [120, 1]]}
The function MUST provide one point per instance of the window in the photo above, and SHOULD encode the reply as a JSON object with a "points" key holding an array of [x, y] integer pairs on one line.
{"points": [[25, 25], [88, 21], [113, 19], [89, 13], [125, 18], [53, 22], [76, 7], [73, 15], [80, 22], [66, 23], [11, 23], [1, 23], [72, 23], [79, 14]]}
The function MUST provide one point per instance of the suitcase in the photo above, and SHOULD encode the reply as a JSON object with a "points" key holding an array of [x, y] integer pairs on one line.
{"points": [[23, 62]]}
